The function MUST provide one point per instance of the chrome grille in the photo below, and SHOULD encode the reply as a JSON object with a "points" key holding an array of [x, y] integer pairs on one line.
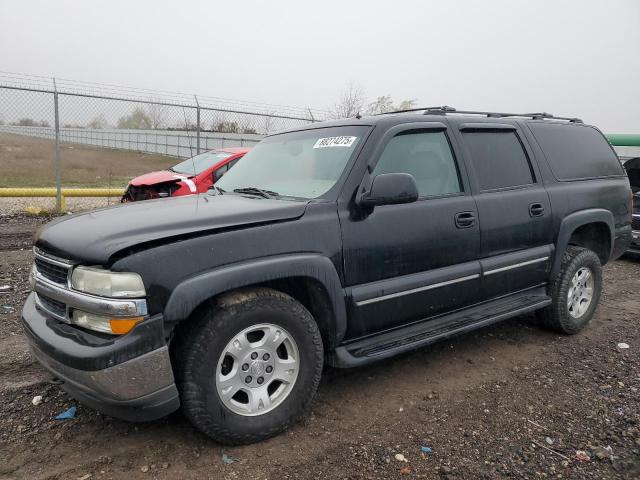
{"points": [[55, 271], [52, 271]]}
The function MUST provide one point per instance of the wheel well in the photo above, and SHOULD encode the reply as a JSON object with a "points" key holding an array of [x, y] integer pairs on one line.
{"points": [[308, 291], [594, 236], [313, 295]]}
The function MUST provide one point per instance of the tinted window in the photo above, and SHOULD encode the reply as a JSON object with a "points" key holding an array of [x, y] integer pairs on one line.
{"points": [[576, 151], [425, 155], [498, 159], [220, 172]]}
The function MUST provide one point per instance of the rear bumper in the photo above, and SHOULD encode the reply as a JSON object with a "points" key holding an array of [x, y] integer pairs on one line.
{"points": [[140, 388], [622, 242]]}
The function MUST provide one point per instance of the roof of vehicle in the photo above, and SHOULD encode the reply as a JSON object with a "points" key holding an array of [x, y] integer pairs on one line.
{"points": [[233, 150], [431, 114]]}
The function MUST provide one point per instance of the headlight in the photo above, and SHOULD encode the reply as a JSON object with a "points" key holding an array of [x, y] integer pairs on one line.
{"points": [[101, 323], [107, 284]]}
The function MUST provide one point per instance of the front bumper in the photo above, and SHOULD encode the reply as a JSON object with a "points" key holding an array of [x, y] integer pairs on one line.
{"points": [[127, 377]]}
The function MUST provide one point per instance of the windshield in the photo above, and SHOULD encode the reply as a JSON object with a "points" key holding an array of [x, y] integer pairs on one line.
{"points": [[198, 164], [302, 164]]}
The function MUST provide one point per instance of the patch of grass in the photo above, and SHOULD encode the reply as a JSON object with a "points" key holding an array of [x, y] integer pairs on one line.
{"points": [[29, 162]]}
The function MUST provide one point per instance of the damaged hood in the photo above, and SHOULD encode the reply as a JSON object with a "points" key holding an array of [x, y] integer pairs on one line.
{"points": [[154, 178], [93, 237]]}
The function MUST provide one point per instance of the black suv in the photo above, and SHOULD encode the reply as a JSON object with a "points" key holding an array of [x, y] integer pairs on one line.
{"points": [[344, 243]]}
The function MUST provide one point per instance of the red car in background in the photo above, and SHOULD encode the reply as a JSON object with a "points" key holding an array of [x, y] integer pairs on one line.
{"points": [[194, 175]]}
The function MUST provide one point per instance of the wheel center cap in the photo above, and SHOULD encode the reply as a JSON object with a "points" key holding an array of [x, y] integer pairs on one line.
{"points": [[256, 368]]}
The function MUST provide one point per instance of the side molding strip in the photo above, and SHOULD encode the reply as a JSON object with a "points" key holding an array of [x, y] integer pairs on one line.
{"points": [[517, 265], [416, 290]]}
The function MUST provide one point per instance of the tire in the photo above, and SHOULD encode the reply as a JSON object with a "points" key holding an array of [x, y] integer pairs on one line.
{"points": [[199, 364], [560, 316]]}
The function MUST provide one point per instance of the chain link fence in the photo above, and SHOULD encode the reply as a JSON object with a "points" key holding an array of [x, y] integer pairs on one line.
{"points": [[66, 134]]}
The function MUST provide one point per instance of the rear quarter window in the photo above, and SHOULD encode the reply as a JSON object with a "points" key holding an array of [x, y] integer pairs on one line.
{"points": [[576, 152]]}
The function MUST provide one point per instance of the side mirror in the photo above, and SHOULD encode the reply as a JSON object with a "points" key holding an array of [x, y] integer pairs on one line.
{"points": [[390, 189]]}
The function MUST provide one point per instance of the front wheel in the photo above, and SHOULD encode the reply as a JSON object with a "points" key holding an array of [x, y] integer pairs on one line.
{"points": [[575, 292], [250, 366]]}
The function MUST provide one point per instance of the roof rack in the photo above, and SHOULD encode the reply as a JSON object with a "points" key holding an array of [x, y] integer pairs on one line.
{"points": [[445, 109]]}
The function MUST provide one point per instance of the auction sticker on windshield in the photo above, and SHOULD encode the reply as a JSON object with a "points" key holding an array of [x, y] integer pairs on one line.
{"points": [[335, 142]]}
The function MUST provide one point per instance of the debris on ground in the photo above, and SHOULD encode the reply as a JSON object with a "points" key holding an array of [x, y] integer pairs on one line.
{"points": [[582, 456], [33, 210], [37, 400], [405, 470], [5, 288], [548, 440], [228, 459], [67, 414], [400, 457], [425, 449], [602, 453], [623, 346]]}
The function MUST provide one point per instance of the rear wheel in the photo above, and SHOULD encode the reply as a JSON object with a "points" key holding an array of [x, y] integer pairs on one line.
{"points": [[575, 292], [249, 367]]}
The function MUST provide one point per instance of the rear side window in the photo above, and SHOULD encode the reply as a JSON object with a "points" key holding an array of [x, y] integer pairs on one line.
{"points": [[575, 152], [498, 158]]}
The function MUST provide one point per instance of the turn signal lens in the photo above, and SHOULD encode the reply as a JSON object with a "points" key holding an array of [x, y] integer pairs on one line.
{"points": [[120, 326]]}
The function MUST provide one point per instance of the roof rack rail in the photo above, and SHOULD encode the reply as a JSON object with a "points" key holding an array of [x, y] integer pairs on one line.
{"points": [[445, 109]]}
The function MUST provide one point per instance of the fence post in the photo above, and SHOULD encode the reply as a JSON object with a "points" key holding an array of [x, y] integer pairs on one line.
{"points": [[197, 124], [57, 166]]}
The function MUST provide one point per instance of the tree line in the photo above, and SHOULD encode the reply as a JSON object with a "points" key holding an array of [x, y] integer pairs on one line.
{"points": [[143, 119], [352, 101]]}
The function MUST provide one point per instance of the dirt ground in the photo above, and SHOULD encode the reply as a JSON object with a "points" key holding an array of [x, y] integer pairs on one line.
{"points": [[29, 162], [509, 401]]}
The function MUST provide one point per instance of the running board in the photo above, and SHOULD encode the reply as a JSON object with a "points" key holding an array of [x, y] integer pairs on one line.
{"points": [[416, 335]]}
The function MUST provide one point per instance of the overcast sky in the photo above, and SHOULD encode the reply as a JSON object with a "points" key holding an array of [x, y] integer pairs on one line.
{"points": [[573, 58]]}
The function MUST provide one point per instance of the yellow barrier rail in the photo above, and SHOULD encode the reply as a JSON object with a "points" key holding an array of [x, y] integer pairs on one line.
{"points": [[65, 192]]}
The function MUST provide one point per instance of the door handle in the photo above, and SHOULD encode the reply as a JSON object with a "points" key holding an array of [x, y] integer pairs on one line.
{"points": [[465, 219], [536, 210]]}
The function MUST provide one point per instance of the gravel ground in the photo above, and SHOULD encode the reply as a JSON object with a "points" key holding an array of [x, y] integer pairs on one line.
{"points": [[508, 401]]}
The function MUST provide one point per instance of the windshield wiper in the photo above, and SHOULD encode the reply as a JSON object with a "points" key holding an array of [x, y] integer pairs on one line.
{"points": [[256, 191]]}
